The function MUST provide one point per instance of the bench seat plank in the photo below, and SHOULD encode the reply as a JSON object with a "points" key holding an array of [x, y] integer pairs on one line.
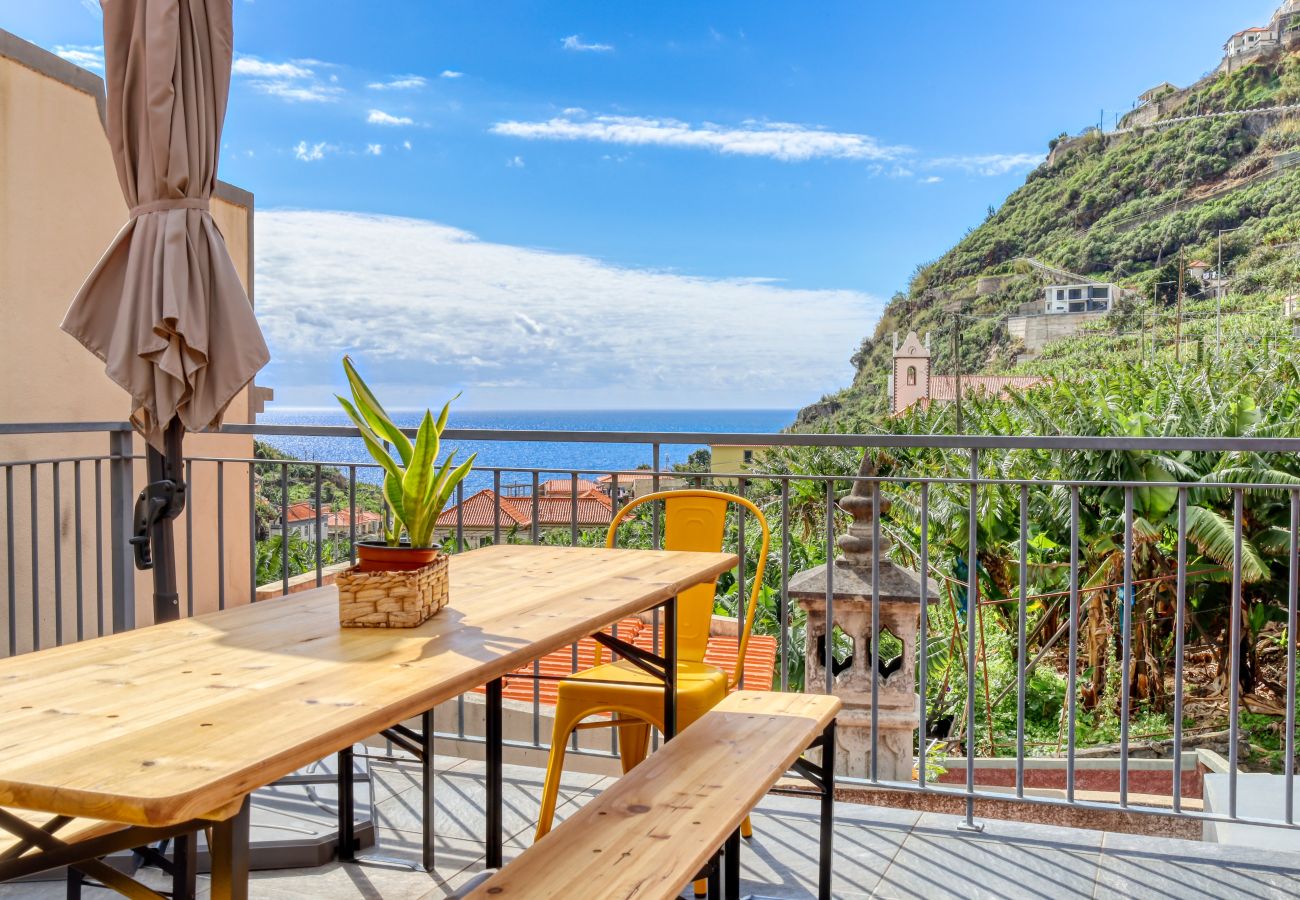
{"points": [[654, 829]]}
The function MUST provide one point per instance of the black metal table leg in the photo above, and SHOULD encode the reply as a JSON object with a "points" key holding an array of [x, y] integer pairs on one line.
{"points": [[230, 855], [426, 788], [731, 865], [347, 807], [670, 669], [74, 884], [827, 813], [185, 866], [715, 878], [493, 740]]}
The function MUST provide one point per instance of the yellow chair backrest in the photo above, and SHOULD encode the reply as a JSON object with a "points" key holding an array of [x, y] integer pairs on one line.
{"points": [[696, 520]]}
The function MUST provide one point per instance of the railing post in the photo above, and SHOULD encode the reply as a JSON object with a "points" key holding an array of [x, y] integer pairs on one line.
{"points": [[121, 476]]}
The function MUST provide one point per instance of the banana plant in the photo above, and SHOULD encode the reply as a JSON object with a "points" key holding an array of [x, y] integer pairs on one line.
{"points": [[415, 488]]}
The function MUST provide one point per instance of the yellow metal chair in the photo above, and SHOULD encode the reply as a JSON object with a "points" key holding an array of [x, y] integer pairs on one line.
{"points": [[693, 520]]}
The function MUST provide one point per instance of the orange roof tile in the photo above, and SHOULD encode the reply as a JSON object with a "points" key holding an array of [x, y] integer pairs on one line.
{"points": [[944, 387], [565, 486], [301, 512], [594, 508]]}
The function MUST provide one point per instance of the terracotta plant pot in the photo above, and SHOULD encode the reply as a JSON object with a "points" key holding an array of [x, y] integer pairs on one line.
{"points": [[374, 556]]}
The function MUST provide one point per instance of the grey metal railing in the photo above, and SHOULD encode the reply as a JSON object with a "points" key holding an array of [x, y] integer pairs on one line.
{"points": [[92, 592]]}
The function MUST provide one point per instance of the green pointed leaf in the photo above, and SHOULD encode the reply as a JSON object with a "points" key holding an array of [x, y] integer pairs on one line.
{"points": [[448, 483], [373, 444], [417, 484], [430, 500], [374, 413], [393, 496]]}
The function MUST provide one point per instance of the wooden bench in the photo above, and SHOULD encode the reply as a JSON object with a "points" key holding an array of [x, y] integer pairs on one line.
{"points": [[79, 844], [667, 821]]}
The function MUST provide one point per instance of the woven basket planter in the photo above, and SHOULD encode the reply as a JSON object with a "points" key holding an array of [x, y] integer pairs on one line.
{"points": [[392, 599]]}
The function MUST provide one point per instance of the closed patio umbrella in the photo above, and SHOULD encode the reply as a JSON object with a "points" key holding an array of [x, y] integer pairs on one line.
{"points": [[164, 308]]}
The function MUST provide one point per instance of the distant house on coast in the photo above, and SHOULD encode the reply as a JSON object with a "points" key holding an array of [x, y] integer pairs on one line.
{"points": [[911, 381], [483, 515]]}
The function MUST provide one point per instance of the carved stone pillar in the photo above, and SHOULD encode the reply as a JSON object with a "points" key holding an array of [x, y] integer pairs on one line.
{"points": [[889, 700]]}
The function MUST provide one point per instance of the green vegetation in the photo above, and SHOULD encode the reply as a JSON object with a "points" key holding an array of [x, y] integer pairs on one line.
{"points": [[1115, 208], [414, 490]]}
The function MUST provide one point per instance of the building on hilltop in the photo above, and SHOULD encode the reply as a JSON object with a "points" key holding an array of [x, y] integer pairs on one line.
{"points": [[1161, 90], [1079, 298], [1283, 30], [911, 381], [1250, 42]]}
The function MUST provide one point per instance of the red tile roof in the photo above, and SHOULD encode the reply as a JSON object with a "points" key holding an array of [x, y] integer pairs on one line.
{"points": [[627, 477], [594, 508], [301, 512], [343, 518], [944, 387], [564, 486]]}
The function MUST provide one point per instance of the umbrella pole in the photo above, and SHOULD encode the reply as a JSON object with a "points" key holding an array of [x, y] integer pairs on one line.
{"points": [[156, 508]]}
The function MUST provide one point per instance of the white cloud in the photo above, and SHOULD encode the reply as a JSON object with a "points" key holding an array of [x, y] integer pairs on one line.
{"points": [[379, 117], [298, 93], [85, 55], [989, 164], [931, 179], [518, 327], [575, 42], [374, 149], [312, 152], [294, 81], [406, 145], [776, 140], [451, 73], [515, 163], [253, 67], [400, 83]]}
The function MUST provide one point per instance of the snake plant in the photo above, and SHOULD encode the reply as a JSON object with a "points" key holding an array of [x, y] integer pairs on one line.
{"points": [[415, 488]]}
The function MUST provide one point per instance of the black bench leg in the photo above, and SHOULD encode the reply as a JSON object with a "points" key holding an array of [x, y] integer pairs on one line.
{"points": [[731, 862], [74, 884], [427, 775], [715, 878], [185, 869], [826, 850], [229, 851], [347, 807], [492, 750]]}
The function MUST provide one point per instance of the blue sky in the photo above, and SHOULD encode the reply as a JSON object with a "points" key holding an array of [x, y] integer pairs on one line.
{"points": [[636, 204]]}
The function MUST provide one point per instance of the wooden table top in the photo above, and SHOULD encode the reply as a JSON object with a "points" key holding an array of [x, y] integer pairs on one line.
{"points": [[172, 722]]}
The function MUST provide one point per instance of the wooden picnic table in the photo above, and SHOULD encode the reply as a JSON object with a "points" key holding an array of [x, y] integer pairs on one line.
{"points": [[178, 723]]}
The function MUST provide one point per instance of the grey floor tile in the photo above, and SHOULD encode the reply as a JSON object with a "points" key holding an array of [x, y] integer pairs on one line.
{"points": [[1156, 872], [782, 858], [460, 801], [940, 862], [1004, 830]]}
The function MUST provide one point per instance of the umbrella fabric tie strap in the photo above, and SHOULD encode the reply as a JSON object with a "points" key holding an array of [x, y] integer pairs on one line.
{"points": [[168, 204]]}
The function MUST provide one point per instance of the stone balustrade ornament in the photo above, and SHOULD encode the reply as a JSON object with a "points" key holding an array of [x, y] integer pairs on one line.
{"points": [[895, 708]]}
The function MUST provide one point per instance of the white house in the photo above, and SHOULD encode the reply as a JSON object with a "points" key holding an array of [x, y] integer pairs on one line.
{"points": [[1076, 298], [1249, 41]]}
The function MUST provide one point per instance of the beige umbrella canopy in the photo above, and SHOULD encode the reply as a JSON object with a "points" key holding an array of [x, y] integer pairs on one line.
{"points": [[164, 307]]}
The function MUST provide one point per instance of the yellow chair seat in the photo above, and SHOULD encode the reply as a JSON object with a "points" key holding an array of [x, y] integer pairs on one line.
{"points": [[700, 687]]}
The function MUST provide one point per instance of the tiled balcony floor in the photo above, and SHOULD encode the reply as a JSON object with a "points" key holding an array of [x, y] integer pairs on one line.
{"points": [[879, 852]]}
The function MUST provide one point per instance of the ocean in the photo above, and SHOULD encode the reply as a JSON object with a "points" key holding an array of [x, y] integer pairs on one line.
{"points": [[555, 459]]}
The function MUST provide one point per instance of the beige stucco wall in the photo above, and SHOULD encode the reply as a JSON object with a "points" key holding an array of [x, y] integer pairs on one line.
{"points": [[60, 206]]}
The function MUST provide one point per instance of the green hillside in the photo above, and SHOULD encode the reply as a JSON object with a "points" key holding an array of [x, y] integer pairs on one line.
{"points": [[1120, 207]]}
